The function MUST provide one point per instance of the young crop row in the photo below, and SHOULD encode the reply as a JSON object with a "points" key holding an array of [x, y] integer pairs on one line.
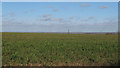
{"points": [[59, 49]]}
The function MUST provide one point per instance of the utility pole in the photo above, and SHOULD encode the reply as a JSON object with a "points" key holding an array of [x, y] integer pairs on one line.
{"points": [[68, 31]]}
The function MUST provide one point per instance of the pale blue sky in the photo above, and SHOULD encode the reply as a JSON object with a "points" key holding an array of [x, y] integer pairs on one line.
{"points": [[60, 16]]}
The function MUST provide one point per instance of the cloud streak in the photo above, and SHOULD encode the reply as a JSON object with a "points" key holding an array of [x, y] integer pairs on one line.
{"points": [[48, 17], [50, 7], [11, 14], [62, 25], [88, 19], [86, 5], [103, 7], [98, 27], [55, 10]]}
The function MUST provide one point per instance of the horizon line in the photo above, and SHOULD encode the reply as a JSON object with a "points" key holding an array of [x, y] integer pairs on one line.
{"points": [[59, 32]]}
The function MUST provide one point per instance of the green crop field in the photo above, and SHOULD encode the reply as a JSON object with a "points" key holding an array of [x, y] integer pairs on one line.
{"points": [[50, 49]]}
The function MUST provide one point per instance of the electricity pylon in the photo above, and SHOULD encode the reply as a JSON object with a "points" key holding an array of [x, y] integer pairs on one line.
{"points": [[68, 31]]}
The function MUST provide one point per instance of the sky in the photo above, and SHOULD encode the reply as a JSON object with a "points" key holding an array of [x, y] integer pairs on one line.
{"points": [[59, 16]]}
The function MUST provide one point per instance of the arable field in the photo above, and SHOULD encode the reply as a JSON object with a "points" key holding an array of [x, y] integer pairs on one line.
{"points": [[50, 49]]}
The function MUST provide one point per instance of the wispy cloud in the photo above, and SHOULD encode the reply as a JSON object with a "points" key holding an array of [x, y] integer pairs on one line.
{"points": [[7, 21], [11, 14], [88, 19], [72, 17], [25, 12], [32, 10], [50, 7], [55, 10], [47, 15], [45, 19], [91, 17], [11, 21], [103, 7], [85, 5], [28, 11], [54, 27], [49, 18]]}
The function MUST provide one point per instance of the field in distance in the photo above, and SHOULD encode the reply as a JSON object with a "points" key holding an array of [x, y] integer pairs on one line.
{"points": [[50, 49]]}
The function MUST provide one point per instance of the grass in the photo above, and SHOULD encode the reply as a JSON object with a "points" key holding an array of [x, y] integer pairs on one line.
{"points": [[39, 49]]}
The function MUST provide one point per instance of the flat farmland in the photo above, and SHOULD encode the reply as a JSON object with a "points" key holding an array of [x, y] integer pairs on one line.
{"points": [[50, 49]]}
